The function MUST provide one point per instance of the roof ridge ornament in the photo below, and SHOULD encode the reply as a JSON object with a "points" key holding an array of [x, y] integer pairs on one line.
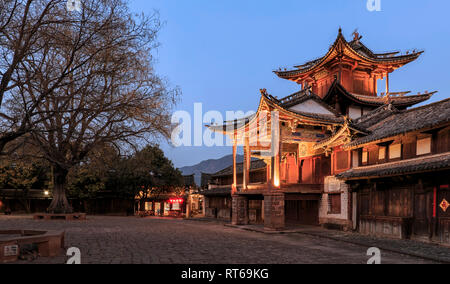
{"points": [[263, 92], [356, 36]]}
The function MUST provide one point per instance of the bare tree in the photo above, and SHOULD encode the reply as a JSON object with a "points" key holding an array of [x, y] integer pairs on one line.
{"points": [[22, 23], [111, 95]]}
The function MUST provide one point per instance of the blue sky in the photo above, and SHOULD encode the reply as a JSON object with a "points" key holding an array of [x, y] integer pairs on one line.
{"points": [[221, 52]]}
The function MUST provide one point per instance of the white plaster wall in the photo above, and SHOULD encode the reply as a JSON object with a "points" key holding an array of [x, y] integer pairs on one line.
{"points": [[354, 112], [334, 185], [310, 106]]}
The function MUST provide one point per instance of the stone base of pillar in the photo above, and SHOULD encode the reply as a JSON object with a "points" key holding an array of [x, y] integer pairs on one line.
{"points": [[239, 214], [274, 214]]}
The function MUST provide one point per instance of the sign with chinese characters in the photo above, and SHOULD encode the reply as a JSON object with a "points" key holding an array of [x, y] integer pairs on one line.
{"points": [[444, 205], [11, 250]]}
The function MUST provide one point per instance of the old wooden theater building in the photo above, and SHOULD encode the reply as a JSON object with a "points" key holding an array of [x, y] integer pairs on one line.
{"points": [[339, 154]]}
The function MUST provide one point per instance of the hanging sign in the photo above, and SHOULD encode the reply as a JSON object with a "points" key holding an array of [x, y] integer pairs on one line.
{"points": [[304, 136], [11, 250]]}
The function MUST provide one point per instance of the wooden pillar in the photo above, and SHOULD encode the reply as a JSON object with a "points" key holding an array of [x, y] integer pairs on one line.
{"points": [[234, 189], [247, 163], [272, 171], [276, 160], [387, 84]]}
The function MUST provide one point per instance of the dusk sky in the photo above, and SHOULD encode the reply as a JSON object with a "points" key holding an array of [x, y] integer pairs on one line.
{"points": [[221, 52]]}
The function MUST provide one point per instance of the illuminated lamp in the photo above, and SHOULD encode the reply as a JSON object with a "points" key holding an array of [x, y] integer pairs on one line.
{"points": [[46, 193], [276, 183]]}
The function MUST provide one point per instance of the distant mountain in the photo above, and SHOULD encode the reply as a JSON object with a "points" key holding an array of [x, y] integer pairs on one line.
{"points": [[210, 167]]}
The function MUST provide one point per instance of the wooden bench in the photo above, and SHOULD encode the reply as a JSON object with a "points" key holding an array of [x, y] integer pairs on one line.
{"points": [[66, 217]]}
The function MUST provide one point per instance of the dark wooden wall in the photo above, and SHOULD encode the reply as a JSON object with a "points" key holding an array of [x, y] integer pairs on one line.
{"points": [[411, 198]]}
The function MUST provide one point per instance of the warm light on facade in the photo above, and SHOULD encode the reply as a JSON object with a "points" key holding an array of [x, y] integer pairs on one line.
{"points": [[276, 182], [46, 193]]}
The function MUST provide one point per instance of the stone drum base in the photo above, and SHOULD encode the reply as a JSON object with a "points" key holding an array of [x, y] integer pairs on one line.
{"points": [[67, 217], [47, 243]]}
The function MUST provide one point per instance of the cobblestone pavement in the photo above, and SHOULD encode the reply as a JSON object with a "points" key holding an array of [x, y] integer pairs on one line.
{"points": [[134, 240], [410, 247], [416, 248]]}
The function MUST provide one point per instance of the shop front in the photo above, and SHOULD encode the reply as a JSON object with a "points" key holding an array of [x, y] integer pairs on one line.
{"points": [[162, 206]]}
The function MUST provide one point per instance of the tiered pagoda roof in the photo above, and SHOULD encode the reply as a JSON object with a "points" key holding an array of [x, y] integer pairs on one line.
{"points": [[354, 50]]}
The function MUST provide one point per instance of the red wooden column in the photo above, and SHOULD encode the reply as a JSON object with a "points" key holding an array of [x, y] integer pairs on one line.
{"points": [[234, 187]]}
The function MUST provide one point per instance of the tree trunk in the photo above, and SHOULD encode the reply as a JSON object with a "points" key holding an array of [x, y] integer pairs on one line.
{"points": [[60, 204]]}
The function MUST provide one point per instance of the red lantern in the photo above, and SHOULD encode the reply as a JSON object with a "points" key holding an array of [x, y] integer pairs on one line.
{"points": [[176, 200]]}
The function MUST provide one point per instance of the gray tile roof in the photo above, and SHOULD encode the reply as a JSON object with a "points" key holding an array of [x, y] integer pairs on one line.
{"points": [[428, 163], [399, 122], [255, 165], [217, 192]]}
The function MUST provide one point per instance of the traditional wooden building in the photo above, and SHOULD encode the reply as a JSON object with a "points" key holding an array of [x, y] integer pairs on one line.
{"points": [[401, 175], [303, 138]]}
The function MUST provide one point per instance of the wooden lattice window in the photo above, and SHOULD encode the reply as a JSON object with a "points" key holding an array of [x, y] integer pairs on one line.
{"points": [[395, 151], [365, 156], [382, 153], [424, 146]]}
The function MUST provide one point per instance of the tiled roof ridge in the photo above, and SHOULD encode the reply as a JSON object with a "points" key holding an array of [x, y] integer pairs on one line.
{"points": [[425, 106]]}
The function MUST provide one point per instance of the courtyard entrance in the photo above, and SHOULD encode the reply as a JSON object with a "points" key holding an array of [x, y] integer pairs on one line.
{"points": [[302, 209]]}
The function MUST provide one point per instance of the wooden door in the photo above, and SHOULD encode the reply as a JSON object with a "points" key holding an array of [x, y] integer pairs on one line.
{"points": [[304, 212], [423, 207]]}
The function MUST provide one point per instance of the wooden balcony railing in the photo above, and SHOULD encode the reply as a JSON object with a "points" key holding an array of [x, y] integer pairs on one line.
{"points": [[287, 188]]}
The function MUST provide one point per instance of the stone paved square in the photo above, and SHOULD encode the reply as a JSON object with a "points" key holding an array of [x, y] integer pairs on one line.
{"points": [[132, 240]]}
